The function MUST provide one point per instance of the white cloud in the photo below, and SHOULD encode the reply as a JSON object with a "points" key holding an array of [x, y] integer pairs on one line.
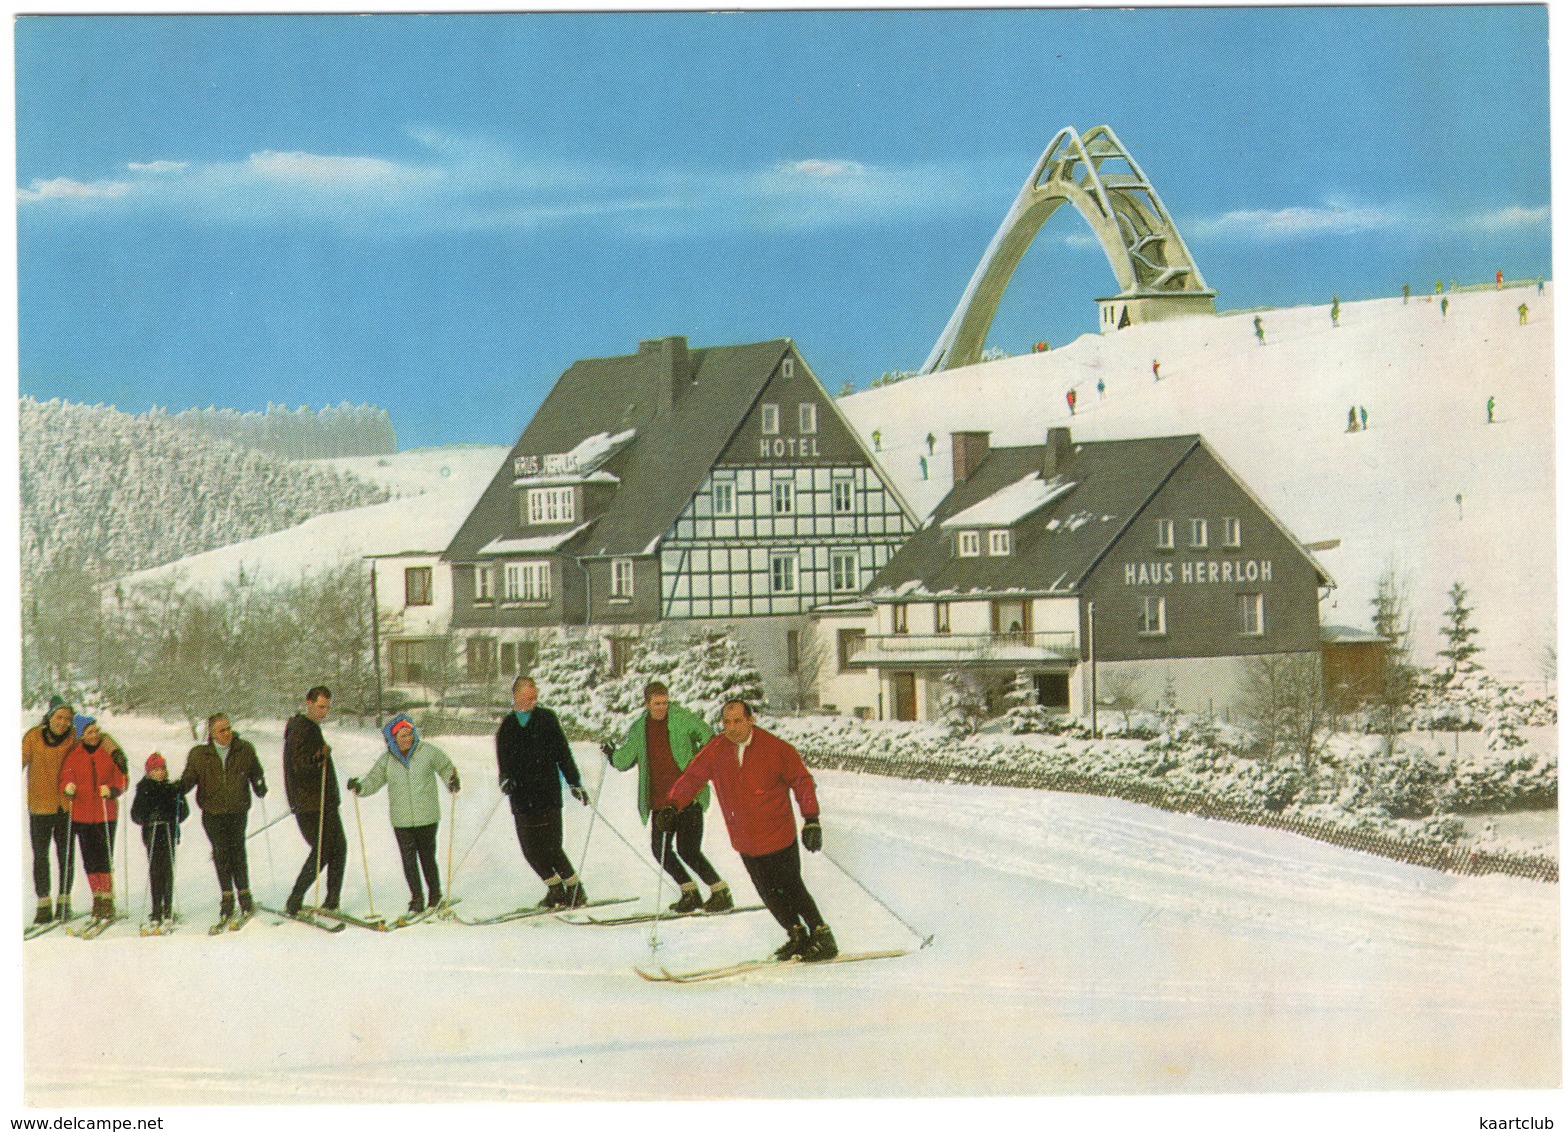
{"points": [[1513, 217], [66, 189], [1295, 222], [475, 184]]}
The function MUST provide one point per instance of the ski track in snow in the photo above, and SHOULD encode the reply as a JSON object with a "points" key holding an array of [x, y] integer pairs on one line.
{"points": [[1082, 945]]}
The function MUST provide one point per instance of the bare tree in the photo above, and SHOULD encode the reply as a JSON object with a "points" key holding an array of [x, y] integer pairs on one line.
{"points": [[1283, 703], [1121, 690]]}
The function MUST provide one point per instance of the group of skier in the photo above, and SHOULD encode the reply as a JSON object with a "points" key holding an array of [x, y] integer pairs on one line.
{"points": [[76, 774]]}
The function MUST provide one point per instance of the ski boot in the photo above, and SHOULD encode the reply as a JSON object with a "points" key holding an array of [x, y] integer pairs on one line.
{"points": [[822, 946], [689, 901], [798, 941], [45, 912], [721, 900]]}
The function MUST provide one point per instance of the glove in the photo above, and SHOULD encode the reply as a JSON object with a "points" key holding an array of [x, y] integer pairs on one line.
{"points": [[69, 790], [103, 791], [353, 785], [456, 783], [607, 749], [580, 794], [812, 835], [665, 820], [260, 789], [506, 786]]}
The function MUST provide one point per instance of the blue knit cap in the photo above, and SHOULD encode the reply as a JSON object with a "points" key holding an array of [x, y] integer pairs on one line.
{"points": [[82, 723]]}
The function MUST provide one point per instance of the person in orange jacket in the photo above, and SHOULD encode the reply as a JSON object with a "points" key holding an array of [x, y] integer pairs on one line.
{"points": [[48, 811], [92, 779]]}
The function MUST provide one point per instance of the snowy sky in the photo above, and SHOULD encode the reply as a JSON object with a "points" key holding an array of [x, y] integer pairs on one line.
{"points": [[438, 214]]}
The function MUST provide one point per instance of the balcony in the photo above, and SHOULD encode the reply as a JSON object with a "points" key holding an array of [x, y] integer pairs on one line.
{"points": [[944, 649]]}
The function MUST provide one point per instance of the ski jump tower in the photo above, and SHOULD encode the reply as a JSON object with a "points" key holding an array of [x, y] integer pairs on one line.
{"points": [[1158, 279]]}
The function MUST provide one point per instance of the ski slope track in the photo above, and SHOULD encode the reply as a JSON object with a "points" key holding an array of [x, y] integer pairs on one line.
{"points": [[1083, 946], [1277, 414]]}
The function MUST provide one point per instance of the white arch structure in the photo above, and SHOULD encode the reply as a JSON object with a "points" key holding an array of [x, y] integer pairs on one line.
{"points": [[1158, 279]]}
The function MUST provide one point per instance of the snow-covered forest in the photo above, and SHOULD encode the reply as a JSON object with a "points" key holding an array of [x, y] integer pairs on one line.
{"points": [[104, 492], [298, 434]]}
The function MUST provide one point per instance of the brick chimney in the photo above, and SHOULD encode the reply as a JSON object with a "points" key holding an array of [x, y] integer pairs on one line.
{"points": [[968, 450], [1057, 453], [673, 368]]}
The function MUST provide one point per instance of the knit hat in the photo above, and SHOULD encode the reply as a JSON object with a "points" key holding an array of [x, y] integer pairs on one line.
{"points": [[56, 703], [82, 723], [399, 726], [156, 761]]}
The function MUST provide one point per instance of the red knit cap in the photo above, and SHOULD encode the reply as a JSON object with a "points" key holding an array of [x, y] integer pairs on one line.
{"points": [[156, 761]]}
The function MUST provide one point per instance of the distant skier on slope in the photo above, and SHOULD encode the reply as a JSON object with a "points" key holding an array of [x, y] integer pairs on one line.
{"points": [[1260, 332], [754, 772], [1070, 401], [409, 768], [660, 745], [533, 755], [1353, 421], [1336, 310], [1490, 409]]}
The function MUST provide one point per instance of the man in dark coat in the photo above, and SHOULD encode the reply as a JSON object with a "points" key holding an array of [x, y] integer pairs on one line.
{"points": [[533, 755], [311, 782], [224, 771]]}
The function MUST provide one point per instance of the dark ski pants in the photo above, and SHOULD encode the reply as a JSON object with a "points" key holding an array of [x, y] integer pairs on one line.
{"points": [[543, 844], [226, 832], [160, 868], [684, 842], [94, 846], [331, 852], [780, 886], [45, 828], [417, 843]]}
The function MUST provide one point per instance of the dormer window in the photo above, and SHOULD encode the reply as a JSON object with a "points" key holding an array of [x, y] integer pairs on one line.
{"points": [[969, 544], [807, 417], [551, 505], [771, 420], [999, 542]]}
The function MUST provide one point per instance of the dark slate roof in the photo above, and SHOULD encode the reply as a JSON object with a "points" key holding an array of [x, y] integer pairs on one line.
{"points": [[1114, 479], [660, 469]]}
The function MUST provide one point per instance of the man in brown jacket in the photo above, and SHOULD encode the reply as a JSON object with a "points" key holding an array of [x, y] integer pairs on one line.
{"points": [[311, 782], [223, 771], [48, 811]]}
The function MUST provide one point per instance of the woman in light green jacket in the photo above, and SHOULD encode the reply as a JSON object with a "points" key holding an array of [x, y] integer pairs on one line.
{"points": [[660, 744], [408, 768]]}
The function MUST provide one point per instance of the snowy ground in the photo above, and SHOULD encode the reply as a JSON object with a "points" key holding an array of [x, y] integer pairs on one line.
{"points": [[1082, 946], [1278, 415]]}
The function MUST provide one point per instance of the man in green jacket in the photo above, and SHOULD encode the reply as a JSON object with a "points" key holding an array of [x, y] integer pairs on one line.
{"points": [[660, 744]]}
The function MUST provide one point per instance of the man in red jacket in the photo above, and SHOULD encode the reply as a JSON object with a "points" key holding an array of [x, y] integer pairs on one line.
{"points": [[753, 771]]}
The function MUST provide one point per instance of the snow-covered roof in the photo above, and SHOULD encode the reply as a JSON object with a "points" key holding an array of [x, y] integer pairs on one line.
{"points": [[1011, 503], [538, 544], [1347, 634], [579, 464]]}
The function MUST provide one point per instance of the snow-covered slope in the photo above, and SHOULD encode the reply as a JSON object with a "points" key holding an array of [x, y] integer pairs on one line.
{"points": [[448, 480], [1081, 946], [1278, 415]]}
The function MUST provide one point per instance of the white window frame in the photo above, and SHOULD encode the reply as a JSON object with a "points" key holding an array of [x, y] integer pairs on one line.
{"points": [[1146, 624], [1231, 533], [784, 573], [622, 577], [723, 497], [426, 576], [483, 584], [845, 571], [771, 419], [787, 367], [809, 418], [942, 617], [1198, 534], [1252, 604], [842, 496], [1000, 542], [551, 505], [969, 544], [529, 581], [782, 497], [1165, 534]]}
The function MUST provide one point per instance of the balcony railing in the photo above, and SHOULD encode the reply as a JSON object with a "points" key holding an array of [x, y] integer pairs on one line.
{"points": [[963, 648]]}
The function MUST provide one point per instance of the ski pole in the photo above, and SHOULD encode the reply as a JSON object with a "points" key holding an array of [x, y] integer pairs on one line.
{"points": [[664, 837], [607, 824], [271, 863], [68, 873], [284, 816], [363, 853], [320, 833], [452, 878], [926, 940], [450, 852], [152, 850], [596, 797]]}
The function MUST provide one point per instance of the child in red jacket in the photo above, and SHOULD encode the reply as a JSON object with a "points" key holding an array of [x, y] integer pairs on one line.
{"points": [[92, 780]]}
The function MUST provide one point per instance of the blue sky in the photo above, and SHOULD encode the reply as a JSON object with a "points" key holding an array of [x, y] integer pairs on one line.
{"points": [[438, 214]]}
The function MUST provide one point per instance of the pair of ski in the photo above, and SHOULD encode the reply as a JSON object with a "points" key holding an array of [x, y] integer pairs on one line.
{"points": [[710, 974], [649, 917], [533, 911], [226, 924], [33, 931], [93, 928]]}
